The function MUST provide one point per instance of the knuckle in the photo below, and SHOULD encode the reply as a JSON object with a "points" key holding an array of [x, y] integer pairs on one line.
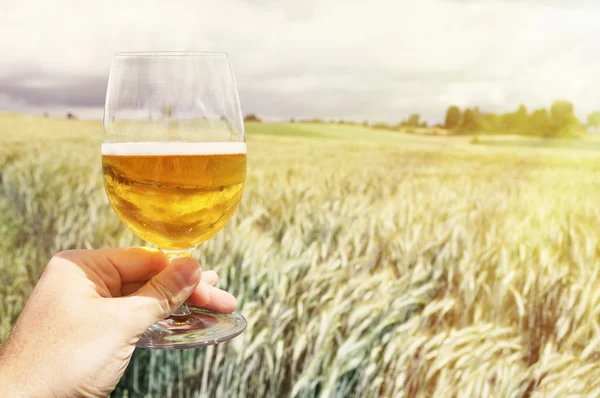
{"points": [[70, 254], [67, 258], [166, 296]]}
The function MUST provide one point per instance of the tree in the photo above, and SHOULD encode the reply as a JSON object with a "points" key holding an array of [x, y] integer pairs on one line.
{"points": [[313, 120], [452, 117], [516, 121], [251, 118], [561, 110], [564, 121], [381, 126], [469, 119], [593, 120], [521, 119], [489, 122], [166, 111], [540, 122], [413, 120]]}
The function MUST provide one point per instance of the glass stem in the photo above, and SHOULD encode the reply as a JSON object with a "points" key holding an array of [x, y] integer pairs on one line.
{"points": [[183, 310]]}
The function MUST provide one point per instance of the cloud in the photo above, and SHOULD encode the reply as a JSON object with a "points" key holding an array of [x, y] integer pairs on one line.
{"points": [[378, 60], [86, 91], [294, 10]]}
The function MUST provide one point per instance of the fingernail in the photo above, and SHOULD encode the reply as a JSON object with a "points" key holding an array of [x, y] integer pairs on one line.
{"points": [[187, 271]]}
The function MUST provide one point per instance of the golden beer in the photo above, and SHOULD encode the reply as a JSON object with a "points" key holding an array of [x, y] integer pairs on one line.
{"points": [[174, 195]]}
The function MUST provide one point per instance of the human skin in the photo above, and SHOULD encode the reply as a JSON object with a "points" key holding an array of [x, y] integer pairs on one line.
{"points": [[78, 330]]}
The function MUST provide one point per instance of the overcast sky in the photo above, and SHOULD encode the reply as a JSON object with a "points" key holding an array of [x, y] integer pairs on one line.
{"points": [[375, 60]]}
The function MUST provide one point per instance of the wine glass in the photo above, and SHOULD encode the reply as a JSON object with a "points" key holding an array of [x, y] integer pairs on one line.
{"points": [[174, 166]]}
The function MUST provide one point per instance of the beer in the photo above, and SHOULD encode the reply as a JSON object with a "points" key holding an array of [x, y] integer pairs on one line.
{"points": [[174, 195]]}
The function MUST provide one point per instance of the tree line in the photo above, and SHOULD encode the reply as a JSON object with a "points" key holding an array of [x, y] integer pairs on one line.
{"points": [[557, 121]]}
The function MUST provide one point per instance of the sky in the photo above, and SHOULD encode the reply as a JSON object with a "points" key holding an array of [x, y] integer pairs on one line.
{"points": [[376, 60]]}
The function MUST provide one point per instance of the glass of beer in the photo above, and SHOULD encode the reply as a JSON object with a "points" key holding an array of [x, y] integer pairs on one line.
{"points": [[174, 165]]}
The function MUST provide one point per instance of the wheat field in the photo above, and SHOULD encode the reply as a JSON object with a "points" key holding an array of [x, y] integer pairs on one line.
{"points": [[367, 263]]}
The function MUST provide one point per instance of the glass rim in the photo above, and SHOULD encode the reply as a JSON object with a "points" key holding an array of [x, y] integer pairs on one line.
{"points": [[149, 54]]}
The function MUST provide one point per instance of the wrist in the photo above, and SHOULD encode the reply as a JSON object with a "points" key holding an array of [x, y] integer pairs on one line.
{"points": [[16, 378], [8, 379]]}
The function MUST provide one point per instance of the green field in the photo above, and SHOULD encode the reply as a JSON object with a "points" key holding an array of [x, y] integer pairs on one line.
{"points": [[368, 263]]}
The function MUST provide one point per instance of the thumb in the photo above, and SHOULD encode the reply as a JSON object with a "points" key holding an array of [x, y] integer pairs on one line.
{"points": [[166, 291]]}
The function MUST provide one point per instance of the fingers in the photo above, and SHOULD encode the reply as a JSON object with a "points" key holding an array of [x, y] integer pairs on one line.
{"points": [[208, 277], [136, 264], [166, 291], [131, 288], [219, 300]]}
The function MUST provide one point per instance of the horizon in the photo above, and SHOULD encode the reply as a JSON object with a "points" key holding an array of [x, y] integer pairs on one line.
{"points": [[68, 115]]}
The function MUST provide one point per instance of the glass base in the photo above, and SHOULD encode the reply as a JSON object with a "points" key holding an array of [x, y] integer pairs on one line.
{"points": [[199, 329]]}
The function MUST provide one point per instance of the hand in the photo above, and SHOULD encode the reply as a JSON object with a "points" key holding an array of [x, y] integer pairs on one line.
{"points": [[79, 328]]}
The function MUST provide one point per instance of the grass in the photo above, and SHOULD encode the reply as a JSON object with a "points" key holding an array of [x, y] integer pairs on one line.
{"points": [[397, 266], [339, 132], [590, 144]]}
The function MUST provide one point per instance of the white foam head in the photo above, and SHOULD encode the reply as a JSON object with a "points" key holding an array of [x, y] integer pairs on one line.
{"points": [[173, 148]]}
